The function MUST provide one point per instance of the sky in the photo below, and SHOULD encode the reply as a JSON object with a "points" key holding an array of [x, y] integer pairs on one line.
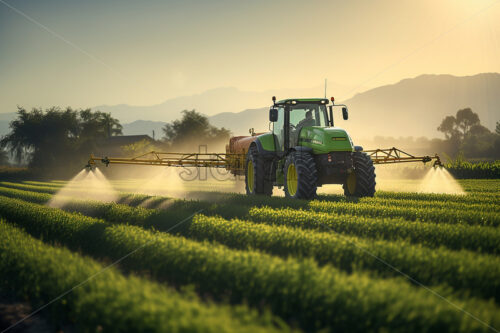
{"points": [[87, 53]]}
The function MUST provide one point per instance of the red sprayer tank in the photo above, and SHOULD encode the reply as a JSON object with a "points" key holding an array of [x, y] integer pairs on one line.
{"points": [[239, 145]]}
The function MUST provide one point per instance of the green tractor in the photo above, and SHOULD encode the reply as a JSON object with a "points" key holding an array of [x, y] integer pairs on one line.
{"points": [[305, 150]]}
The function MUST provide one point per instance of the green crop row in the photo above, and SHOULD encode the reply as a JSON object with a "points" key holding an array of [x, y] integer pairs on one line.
{"points": [[470, 185], [471, 202], [44, 197], [481, 186], [129, 211], [459, 269], [408, 212], [40, 183], [484, 214], [297, 290], [469, 198], [131, 199], [475, 238], [130, 207], [29, 187], [103, 299], [36, 197], [456, 237], [423, 204]]}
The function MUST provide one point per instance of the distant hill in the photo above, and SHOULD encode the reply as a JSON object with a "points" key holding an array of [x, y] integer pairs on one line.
{"points": [[139, 127], [210, 102], [411, 107], [416, 106], [237, 122]]}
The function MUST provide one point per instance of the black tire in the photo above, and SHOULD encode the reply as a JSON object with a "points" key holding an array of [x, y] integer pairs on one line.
{"points": [[361, 183], [306, 175], [260, 182]]}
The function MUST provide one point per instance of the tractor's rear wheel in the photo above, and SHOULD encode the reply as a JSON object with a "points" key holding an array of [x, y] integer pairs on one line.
{"points": [[361, 182], [257, 174], [301, 176]]}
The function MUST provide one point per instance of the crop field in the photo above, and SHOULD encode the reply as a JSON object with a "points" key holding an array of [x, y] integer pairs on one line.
{"points": [[227, 262]]}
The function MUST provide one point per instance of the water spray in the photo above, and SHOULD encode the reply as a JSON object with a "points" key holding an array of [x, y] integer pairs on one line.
{"points": [[89, 184], [439, 180]]}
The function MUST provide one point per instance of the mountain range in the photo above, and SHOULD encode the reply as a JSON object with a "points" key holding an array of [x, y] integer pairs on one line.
{"points": [[410, 107]]}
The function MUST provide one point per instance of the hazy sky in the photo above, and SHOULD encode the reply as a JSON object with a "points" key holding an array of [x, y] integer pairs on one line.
{"points": [[143, 52]]}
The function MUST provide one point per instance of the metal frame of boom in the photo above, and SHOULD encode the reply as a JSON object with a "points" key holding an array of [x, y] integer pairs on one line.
{"points": [[236, 162], [207, 160], [395, 155]]}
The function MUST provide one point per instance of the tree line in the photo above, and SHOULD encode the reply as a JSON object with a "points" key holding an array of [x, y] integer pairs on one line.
{"points": [[61, 140], [57, 138]]}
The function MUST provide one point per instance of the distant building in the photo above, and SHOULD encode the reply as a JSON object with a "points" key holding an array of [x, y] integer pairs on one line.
{"points": [[112, 146]]}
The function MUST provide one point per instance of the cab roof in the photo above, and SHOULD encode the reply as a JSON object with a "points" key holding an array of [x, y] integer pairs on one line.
{"points": [[323, 101]]}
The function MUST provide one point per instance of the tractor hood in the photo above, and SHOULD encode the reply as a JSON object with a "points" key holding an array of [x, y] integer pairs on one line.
{"points": [[325, 139]]}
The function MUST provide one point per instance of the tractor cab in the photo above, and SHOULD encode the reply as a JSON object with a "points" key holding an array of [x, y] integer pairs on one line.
{"points": [[301, 115], [307, 123]]}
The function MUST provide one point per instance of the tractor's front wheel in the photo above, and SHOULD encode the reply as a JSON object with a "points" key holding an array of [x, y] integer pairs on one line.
{"points": [[361, 182], [301, 176], [257, 174]]}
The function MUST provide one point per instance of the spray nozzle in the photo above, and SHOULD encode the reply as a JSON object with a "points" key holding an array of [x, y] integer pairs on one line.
{"points": [[437, 162], [89, 166], [105, 161]]}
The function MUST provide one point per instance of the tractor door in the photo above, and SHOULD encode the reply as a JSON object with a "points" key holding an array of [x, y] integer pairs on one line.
{"points": [[279, 131]]}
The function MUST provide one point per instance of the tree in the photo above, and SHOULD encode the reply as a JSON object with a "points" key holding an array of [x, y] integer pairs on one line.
{"points": [[111, 125], [98, 125], [478, 130], [193, 127], [42, 135], [449, 127], [465, 134], [497, 129], [460, 125], [466, 119]]}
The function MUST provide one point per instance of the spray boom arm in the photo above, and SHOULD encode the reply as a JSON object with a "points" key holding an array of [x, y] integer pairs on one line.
{"points": [[207, 160], [236, 162], [395, 155]]}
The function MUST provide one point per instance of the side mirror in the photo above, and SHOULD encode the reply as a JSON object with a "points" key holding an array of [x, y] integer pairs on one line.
{"points": [[273, 115], [345, 114]]}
